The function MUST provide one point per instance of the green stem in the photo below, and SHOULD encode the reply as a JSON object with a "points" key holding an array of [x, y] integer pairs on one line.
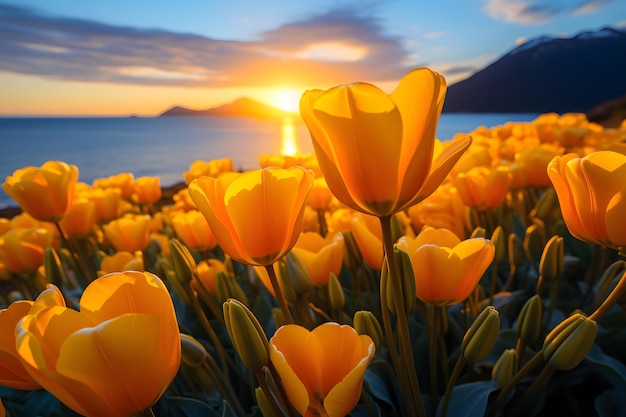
{"points": [[282, 302], [281, 389], [433, 335], [529, 397], [615, 295], [502, 396], [406, 352], [321, 218], [456, 372]]}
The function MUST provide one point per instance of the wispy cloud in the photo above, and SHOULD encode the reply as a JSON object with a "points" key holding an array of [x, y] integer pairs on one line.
{"points": [[539, 11], [336, 46]]}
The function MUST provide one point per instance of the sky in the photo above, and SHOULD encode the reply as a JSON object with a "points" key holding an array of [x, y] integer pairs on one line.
{"points": [[142, 57]]}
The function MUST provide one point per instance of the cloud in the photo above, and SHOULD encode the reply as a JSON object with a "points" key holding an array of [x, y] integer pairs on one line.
{"points": [[539, 11], [334, 47]]}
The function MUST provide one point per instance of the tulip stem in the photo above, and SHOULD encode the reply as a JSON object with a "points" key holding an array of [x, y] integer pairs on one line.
{"points": [[282, 302], [613, 297], [458, 367], [404, 336], [79, 261]]}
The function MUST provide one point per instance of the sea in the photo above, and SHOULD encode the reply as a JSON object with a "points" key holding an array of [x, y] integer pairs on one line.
{"points": [[167, 146]]}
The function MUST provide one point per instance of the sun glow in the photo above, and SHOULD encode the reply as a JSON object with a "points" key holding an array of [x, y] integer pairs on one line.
{"points": [[287, 99]]}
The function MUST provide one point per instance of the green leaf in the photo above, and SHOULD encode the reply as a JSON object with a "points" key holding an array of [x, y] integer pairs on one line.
{"points": [[185, 407], [610, 404], [469, 400]]}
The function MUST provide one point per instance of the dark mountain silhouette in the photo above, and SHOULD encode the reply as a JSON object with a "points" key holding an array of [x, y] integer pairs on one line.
{"points": [[547, 75], [242, 107]]}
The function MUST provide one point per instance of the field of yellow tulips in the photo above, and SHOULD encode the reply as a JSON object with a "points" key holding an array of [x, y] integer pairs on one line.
{"points": [[387, 274]]}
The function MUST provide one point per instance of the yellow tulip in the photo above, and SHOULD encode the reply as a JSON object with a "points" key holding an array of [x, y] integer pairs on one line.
{"points": [[368, 236], [115, 357], [81, 218], [207, 273], [121, 261], [446, 269], [256, 216], [192, 228], [108, 203], [320, 256], [211, 168], [322, 370], [483, 187], [124, 182], [443, 209], [12, 371], [129, 233], [376, 150], [22, 250], [47, 192], [147, 190], [591, 195]]}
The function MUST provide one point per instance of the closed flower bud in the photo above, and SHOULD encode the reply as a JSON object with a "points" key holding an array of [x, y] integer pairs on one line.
{"points": [[183, 262], [264, 404], [534, 242], [247, 335], [500, 244], [516, 251], [478, 232], [481, 336], [407, 280], [614, 270], [352, 256], [529, 320], [228, 287], [365, 322], [546, 205], [552, 258], [55, 273], [336, 297], [505, 367], [569, 342], [193, 353]]}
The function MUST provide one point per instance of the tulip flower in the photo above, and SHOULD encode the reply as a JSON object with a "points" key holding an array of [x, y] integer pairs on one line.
{"points": [[12, 371], [192, 228], [129, 233], [80, 219], [124, 182], [591, 195], [47, 192], [446, 269], [320, 256], [376, 150], [256, 216], [115, 357], [322, 370], [147, 190], [211, 168], [22, 250], [368, 236], [108, 203], [483, 187]]}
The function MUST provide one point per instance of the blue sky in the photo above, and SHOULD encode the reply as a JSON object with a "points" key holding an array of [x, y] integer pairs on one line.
{"points": [[120, 57]]}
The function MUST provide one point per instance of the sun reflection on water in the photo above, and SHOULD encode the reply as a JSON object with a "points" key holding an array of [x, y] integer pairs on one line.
{"points": [[289, 145]]}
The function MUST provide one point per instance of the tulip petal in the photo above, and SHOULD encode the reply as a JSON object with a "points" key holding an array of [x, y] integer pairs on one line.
{"points": [[121, 360], [431, 285]]}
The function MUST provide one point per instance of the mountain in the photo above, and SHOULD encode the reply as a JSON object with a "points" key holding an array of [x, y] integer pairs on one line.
{"points": [[242, 107], [547, 75]]}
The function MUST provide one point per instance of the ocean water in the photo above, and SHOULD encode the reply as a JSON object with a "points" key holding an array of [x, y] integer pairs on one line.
{"points": [[167, 146]]}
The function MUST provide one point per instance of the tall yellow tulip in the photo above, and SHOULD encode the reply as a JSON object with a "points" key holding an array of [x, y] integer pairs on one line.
{"points": [[376, 150], [12, 371], [115, 357], [446, 268], [256, 216], [591, 194], [322, 370], [47, 192]]}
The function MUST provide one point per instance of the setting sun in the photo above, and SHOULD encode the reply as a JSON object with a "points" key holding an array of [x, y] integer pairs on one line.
{"points": [[287, 99]]}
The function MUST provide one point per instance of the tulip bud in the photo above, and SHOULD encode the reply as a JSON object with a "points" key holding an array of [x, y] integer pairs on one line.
{"points": [[479, 232], [569, 342], [247, 335], [228, 287], [407, 280], [294, 279], [279, 318], [183, 262], [336, 297], [505, 368], [552, 259], [193, 354], [366, 323], [614, 270], [53, 268], [516, 252], [499, 242], [264, 404], [529, 320], [534, 242], [352, 255], [481, 336], [546, 205]]}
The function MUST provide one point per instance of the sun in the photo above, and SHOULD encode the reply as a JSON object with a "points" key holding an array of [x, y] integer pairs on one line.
{"points": [[287, 99]]}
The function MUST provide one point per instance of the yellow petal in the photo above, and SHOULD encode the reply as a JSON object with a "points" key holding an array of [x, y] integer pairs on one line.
{"points": [[437, 273]]}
